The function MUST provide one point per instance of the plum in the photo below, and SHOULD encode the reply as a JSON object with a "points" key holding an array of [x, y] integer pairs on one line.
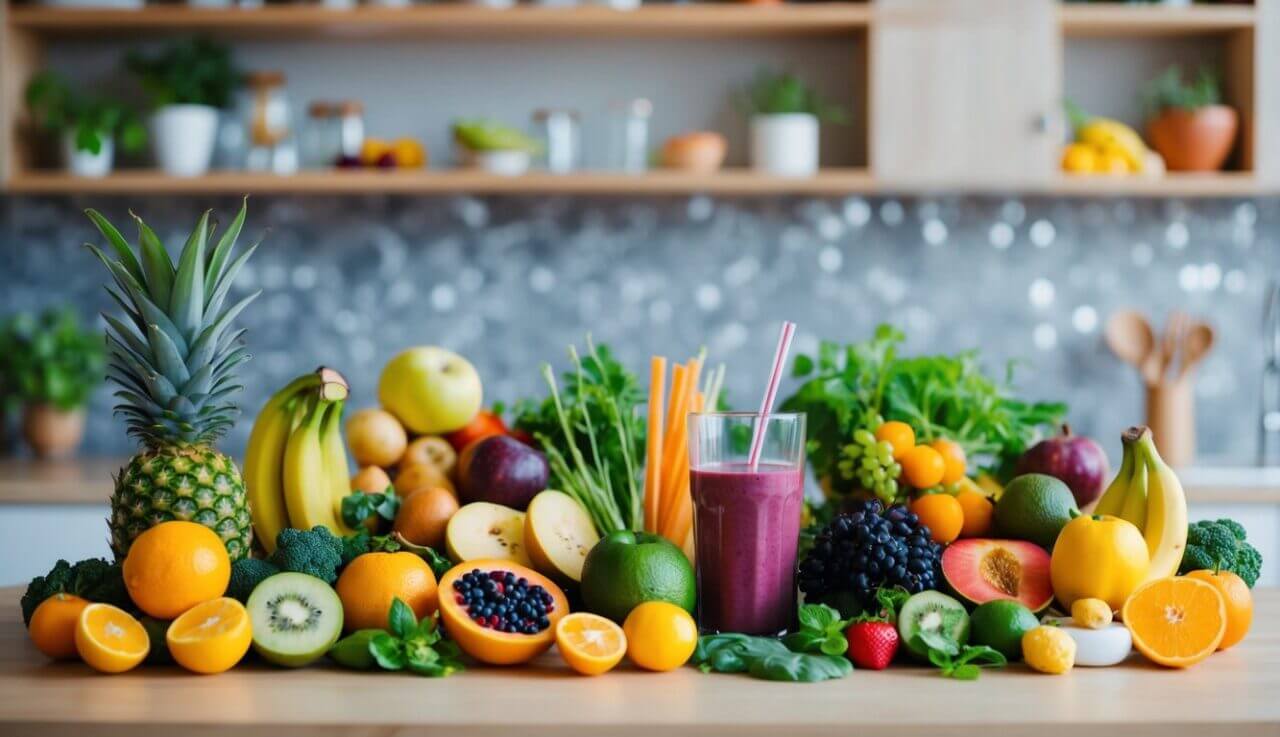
{"points": [[1075, 460]]}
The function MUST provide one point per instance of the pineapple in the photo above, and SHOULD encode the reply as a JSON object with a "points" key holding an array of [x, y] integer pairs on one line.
{"points": [[174, 357]]}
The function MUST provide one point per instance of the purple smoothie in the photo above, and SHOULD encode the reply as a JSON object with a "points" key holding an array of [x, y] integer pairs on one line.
{"points": [[746, 529]]}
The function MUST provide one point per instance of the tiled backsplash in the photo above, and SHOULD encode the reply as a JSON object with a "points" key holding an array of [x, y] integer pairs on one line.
{"points": [[347, 281]]}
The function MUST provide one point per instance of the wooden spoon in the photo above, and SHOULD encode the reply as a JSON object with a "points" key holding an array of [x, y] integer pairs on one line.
{"points": [[1130, 337], [1196, 344]]}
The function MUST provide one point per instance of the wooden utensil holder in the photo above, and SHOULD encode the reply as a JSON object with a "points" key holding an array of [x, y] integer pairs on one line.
{"points": [[1171, 415]]}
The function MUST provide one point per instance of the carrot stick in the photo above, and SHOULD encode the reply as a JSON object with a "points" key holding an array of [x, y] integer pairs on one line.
{"points": [[653, 443], [679, 521], [672, 438], [679, 379], [676, 466]]}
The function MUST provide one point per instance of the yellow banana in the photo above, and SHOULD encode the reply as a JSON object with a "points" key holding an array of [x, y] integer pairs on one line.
{"points": [[336, 469], [1166, 524], [1112, 501], [1105, 132], [263, 475], [1138, 498], [306, 482]]}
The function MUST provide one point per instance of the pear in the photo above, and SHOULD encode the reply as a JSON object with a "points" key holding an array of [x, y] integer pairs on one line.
{"points": [[481, 530], [558, 533]]}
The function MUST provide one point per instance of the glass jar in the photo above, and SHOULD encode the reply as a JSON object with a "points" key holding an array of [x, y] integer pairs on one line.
{"points": [[318, 144], [349, 123], [271, 145], [629, 135], [560, 134]]}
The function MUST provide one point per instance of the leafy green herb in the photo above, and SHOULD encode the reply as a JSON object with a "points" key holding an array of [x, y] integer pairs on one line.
{"points": [[49, 359], [939, 396], [783, 93], [90, 118], [766, 658], [411, 645], [821, 631], [361, 542], [1169, 90], [593, 437], [359, 506], [194, 72], [962, 662]]}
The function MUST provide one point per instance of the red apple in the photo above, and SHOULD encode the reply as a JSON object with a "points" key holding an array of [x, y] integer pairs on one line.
{"points": [[1075, 460]]}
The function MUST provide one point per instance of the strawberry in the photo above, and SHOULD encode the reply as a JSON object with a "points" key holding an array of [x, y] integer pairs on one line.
{"points": [[872, 644]]}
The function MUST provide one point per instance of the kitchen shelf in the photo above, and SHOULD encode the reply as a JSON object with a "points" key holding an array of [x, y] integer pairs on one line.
{"points": [[726, 182], [829, 19], [1154, 20]]}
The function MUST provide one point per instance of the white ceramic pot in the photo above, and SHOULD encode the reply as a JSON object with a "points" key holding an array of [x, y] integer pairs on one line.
{"points": [[86, 163], [502, 163], [785, 145], [183, 137]]}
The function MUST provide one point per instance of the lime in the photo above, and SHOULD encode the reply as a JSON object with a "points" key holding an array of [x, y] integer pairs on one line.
{"points": [[1035, 507], [626, 569], [1000, 625]]}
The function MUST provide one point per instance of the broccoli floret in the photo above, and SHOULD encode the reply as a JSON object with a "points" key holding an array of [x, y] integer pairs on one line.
{"points": [[1220, 544], [246, 574], [94, 579], [315, 552]]}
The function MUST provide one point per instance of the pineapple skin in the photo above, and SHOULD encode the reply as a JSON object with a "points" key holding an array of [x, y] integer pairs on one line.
{"points": [[194, 483]]}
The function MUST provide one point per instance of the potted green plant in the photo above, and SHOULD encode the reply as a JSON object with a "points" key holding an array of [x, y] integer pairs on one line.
{"points": [[188, 83], [785, 113], [1186, 121], [493, 147], [51, 365], [88, 125]]}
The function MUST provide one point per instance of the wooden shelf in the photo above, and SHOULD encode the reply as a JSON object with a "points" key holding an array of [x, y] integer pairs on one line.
{"points": [[741, 182], [828, 19], [1154, 20]]}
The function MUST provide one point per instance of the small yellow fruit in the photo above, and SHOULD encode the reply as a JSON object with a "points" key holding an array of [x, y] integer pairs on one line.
{"points": [[1079, 158], [210, 637], [1049, 650], [590, 643], [1091, 613], [110, 640], [660, 636]]}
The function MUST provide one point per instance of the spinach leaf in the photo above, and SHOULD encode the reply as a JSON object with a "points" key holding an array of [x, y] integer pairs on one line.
{"points": [[766, 658], [800, 667]]}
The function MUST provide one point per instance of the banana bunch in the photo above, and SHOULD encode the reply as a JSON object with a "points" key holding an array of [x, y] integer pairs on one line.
{"points": [[1147, 493], [295, 468], [1106, 146]]}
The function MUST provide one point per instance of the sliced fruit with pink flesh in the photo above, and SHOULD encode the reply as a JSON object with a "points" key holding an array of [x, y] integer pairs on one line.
{"points": [[981, 570]]}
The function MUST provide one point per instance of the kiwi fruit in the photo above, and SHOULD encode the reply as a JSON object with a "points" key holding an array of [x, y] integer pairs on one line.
{"points": [[929, 611], [296, 618]]}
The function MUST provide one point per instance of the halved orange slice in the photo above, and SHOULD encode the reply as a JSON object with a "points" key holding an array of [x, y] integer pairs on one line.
{"points": [[589, 643], [1176, 621], [109, 639], [210, 637]]}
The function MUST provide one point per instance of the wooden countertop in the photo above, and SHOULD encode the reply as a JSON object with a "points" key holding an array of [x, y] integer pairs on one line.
{"points": [[1233, 693], [88, 481]]}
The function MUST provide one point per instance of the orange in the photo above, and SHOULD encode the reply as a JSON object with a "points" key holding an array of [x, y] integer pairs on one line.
{"points": [[660, 636], [942, 514], [589, 643], [923, 467], [174, 566], [210, 637], [371, 480], [953, 459], [1176, 621], [1238, 600], [978, 511], [424, 514], [53, 625], [899, 435], [420, 476], [372, 581], [109, 639]]}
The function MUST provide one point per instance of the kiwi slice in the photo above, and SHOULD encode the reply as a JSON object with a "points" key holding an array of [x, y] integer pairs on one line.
{"points": [[931, 611], [296, 618]]}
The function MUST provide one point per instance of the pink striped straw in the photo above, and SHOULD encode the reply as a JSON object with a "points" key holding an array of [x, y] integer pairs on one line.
{"points": [[775, 377]]}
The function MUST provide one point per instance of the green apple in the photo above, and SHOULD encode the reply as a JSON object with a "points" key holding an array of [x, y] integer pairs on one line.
{"points": [[431, 390]]}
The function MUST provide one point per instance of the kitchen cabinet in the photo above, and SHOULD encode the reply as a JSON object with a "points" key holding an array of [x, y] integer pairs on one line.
{"points": [[965, 92]]}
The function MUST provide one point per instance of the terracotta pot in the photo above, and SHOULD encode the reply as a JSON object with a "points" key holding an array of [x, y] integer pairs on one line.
{"points": [[1194, 140], [52, 432]]}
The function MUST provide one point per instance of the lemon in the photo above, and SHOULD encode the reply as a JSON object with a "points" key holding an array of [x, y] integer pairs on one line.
{"points": [[660, 636], [1049, 650]]}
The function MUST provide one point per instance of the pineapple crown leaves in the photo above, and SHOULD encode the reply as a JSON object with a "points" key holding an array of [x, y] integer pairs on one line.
{"points": [[175, 353]]}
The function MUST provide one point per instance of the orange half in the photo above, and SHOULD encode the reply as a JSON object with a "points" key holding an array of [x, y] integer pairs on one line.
{"points": [[589, 643], [210, 637], [1177, 621], [109, 639]]}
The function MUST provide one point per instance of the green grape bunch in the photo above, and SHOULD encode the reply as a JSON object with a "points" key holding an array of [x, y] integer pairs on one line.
{"points": [[869, 463]]}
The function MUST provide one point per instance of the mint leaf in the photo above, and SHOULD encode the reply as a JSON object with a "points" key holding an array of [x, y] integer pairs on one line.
{"points": [[403, 622], [834, 645], [387, 651], [817, 616], [934, 640]]}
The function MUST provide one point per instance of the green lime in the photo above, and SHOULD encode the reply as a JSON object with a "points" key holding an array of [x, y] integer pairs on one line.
{"points": [[626, 569], [1035, 507], [1000, 625]]}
